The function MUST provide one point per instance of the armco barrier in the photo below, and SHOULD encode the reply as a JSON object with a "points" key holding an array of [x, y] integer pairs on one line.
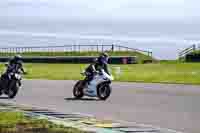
{"points": [[75, 59]]}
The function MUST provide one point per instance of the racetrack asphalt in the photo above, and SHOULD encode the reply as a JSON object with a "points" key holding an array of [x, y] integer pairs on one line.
{"points": [[172, 106]]}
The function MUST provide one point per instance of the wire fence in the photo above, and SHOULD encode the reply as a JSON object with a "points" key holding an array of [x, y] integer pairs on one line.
{"points": [[70, 48], [190, 49]]}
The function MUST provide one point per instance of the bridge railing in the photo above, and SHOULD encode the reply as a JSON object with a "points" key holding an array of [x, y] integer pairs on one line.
{"points": [[70, 48], [188, 50]]}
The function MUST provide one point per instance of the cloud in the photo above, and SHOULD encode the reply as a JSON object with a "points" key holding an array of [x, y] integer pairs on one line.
{"points": [[121, 9]]}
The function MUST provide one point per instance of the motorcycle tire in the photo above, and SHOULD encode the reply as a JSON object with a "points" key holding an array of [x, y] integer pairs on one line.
{"points": [[104, 91], [78, 90]]}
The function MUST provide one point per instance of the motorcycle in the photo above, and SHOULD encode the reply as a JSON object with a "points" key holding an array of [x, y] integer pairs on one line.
{"points": [[99, 87], [10, 83]]}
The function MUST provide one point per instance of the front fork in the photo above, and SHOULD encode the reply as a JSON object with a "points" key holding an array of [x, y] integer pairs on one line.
{"points": [[20, 83]]}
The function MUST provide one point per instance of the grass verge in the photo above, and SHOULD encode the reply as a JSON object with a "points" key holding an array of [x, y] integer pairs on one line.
{"points": [[16, 122], [173, 72]]}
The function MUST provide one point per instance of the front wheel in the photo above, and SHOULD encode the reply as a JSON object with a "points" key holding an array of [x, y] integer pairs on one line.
{"points": [[104, 91], [14, 87], [78, 89]]}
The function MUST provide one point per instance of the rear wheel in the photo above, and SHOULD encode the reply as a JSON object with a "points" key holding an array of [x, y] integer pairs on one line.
{"points": [[14, 87], [78, 89], [104, 91]]}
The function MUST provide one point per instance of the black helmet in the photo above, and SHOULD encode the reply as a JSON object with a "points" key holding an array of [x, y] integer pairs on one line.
{"points": [[104, 58], [18, 57], [104, 54]]}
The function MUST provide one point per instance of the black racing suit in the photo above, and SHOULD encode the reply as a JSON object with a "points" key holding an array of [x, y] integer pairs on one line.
{"points": [[92, 68], [15, 65]]}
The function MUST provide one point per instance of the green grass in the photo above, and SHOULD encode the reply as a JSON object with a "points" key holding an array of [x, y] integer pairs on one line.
{"points": [[16, 122], [9, 119], [140, 56], [195, 52], [164, 72]]}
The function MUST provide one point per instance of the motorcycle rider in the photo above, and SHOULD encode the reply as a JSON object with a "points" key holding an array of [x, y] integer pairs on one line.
{"points": [[13, 65], [92, 69]]}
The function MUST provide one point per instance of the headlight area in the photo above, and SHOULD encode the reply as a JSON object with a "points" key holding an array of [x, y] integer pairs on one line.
{"points": [[17, 76]]}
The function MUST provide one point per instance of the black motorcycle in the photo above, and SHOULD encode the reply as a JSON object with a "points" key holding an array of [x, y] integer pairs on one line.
{"points": [[10, 83]]}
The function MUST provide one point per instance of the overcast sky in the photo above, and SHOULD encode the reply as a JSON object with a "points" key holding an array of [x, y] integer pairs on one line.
{"points": [[116, 9], [174, 21]]}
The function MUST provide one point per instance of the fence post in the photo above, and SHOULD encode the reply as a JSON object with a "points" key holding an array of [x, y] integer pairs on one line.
{"points": [[10, 51], [112, 48], [92, 48], [119, 48], [194, 47], [97, 48], [74, 48], [16, 50], [79, 47]]}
